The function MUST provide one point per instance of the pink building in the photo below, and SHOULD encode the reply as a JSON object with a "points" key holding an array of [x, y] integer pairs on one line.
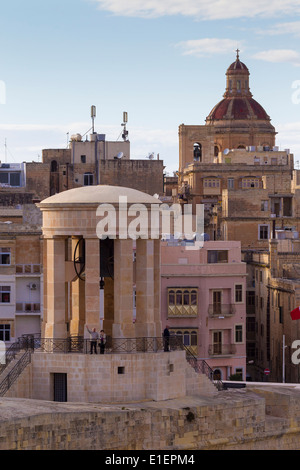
{"points": [[204, 299]]}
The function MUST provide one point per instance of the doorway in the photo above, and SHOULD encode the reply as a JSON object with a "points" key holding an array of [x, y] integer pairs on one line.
{"points": [[60, 387]]}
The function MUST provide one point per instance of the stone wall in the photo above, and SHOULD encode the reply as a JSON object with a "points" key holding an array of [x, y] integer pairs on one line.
{"points": [[112, 377], [234, 420]]}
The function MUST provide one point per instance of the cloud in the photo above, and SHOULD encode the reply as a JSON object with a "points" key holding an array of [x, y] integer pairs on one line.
{"points": [[292, 28], [279, 56], [200, 9], [208, 46]]}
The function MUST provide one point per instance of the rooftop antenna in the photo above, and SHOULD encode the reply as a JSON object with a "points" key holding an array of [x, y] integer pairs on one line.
{"points": [[93, 115], [125, 132]]}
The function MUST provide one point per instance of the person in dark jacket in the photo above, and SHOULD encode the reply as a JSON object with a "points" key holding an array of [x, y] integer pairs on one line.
{"points": [[166, 335]]}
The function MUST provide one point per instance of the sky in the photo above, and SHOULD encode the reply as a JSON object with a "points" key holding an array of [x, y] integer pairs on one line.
{"points": [[161, 61]]}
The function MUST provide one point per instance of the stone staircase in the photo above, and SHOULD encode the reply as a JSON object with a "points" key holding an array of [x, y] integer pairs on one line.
{"points": [[16, 359]]}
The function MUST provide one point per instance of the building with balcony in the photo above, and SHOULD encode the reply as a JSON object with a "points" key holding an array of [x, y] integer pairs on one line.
{"points": [[203, 299], [21, 272]]}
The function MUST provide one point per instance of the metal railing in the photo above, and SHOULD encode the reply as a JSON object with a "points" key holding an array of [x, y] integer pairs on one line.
{"points": [[225, 310], [77, 344], [201, 367], [220, 349], [15, 372]]}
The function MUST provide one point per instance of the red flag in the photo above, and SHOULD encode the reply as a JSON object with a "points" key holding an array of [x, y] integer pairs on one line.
{"points": [[295, 314]]}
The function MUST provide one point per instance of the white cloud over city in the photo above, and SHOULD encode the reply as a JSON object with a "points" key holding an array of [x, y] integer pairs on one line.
{"points": [[279, 56], [208, 46], [200, 9]]}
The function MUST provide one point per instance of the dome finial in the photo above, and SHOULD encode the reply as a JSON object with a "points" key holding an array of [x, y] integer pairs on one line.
{"points": [[237, 54]]}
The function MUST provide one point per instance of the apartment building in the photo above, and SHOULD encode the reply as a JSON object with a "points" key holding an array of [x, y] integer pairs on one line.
{"points": [[203, 299]]}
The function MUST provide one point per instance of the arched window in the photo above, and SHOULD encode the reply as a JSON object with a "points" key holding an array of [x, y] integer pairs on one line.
{"points": [[216, 150], [171, 297], [186, 297], [194, 297], [197, 152], [186, 338], [54, 166], [178, 297], [217, 374]]}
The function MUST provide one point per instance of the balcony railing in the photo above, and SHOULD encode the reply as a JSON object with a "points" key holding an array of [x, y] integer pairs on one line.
{"points": [[221, 310], [28, 307], [221, 349]]}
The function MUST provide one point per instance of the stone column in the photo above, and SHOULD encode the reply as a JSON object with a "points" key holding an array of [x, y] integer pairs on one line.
{"points": [[55, 326], [123, 326], [157, 289], [108, 306], [92, 286], [77, 296], [145, 323]]}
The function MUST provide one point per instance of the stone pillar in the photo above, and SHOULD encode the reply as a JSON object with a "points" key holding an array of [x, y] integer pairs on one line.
{"points": [[108, 306], [123, 326], [157, 289], [55, 326], [145, 323], [77, 292], [92, 286]]}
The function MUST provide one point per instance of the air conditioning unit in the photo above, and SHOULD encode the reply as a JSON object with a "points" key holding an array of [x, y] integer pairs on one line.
{"points": [[32, 286]]}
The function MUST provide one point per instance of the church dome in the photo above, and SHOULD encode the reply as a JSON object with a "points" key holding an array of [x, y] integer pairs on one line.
{"points": [[237, 108], [237, 103]]}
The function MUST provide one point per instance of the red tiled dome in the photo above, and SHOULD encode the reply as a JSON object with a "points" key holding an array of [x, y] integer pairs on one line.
{"points": [[238, 65], [238, 108]]}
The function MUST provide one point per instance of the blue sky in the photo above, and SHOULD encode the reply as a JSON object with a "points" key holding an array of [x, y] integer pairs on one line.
{"points": [[163, 62]]}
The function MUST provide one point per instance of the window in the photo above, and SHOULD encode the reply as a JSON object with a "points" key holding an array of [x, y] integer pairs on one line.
{"points": [[54, 166], [264, 206], [217, 256], [4, 294], [11, 179], [238, 85], [239, 372], [88, 179], [238, 293], [248, 183], [182, 302], [5, 332], [263, 232], [4, 256], [4, 178], [238, 333], [280, 310], [197, 152], [83, 158], [230, 183], [189, 338], [211, 183]]}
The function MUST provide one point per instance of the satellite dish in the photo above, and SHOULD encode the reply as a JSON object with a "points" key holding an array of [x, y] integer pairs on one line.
{"points": [[120, 155], [151, 156], [226, 152]]}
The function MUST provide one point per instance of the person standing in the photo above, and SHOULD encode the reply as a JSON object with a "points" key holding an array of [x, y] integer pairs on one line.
{"points": [[166, 335], [94, 336], [102, 341]]}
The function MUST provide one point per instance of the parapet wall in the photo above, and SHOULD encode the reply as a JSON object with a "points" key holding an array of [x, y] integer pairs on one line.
{"points": [[232, 420]]}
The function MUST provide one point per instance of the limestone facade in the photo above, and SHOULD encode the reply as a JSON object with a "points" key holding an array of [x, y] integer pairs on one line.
{"points": [[72, 216]]}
